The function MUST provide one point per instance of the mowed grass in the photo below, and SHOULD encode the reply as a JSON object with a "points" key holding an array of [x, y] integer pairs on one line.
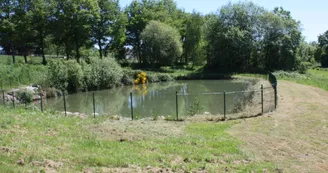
{"points": [[314, 77], [31, 141]]}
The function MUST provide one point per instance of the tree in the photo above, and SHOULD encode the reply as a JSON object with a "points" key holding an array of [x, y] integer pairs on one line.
{"points": [[41, 11], [194, 39], [160, 44], [141, 12], [281, 38], [8, 26], [103, 28], [232, 36], [72, 24], [323, 45]]}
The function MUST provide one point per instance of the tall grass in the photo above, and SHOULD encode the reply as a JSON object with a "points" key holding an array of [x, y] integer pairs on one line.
{"points": [[314, 77]]}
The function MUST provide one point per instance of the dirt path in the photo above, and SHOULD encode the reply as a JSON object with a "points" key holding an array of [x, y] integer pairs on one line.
{"points": [[295, 137]]}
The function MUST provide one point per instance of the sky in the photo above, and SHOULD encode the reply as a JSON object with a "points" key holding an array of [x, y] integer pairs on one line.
{"points": [[313, 14]]}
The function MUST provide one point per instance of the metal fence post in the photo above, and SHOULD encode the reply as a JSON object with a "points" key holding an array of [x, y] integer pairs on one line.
{"points": [[224, 105], [275, 96], [131, 104], [41, 103], [13, 95], [177, 105], [262, 99], [94, 105], [3, 97], [65, 104]]}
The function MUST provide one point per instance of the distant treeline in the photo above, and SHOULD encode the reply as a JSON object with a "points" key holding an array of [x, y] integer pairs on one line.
{"points": [[239, 37]]}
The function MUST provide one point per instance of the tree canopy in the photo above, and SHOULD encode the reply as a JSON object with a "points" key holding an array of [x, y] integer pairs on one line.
{"points": [[239, 37]]}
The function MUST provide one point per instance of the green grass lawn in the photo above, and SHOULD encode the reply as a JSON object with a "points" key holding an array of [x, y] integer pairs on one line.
{"points": [[314, 77], [34, 142]]}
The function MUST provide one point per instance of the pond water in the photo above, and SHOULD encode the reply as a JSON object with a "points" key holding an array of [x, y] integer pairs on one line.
{"points": [[158, 99]]}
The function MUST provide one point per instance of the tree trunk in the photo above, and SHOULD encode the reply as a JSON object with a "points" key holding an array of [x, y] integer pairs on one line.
{"points": [[44, 62], [77, 49], [67, 50], [14, 59], [100, 49], [25, 58], [13, 53]]}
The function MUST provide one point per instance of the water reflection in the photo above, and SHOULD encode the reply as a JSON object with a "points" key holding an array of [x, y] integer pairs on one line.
{"points": [[153, 99]]}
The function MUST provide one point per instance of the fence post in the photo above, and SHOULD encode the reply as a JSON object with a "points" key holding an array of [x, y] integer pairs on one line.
{"points": [[41, 103], [275, 96], [224, 105], [177, 105], [131, 104], [3, 97], [64, 103], [262, 99], [13, 95], [94, 105]]}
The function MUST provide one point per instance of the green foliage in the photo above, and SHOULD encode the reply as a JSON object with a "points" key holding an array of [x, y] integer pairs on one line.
{"points": [[323, 46], [244, 36], [195, 108], [314, 77], [161, 44], [104, 73], [194, 42], [70, 75], [25, 96], [58, 74]]}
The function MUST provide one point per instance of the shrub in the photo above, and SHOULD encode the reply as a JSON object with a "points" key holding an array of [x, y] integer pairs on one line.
{"points": [[153, 77], [25, 96], [165, 77], [74, 76], [58, 74], [105, 73]]}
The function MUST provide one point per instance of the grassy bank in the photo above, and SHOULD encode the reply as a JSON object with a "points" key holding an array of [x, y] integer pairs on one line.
{"points": [[33, 142], [314, 77]]}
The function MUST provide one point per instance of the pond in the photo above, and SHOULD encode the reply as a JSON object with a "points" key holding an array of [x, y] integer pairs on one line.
{"points": [[158, 99]]}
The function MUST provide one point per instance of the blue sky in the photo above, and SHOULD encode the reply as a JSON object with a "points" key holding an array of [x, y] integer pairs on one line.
{"points": [[313, 14]]}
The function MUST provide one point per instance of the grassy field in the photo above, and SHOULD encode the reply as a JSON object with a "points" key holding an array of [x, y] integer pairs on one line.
{"points": [[7, 59], [34, 142], [314, 77]]}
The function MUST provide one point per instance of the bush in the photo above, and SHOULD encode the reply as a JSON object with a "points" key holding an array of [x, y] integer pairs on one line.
{"points": [[165, 77], [58, 74], [104, 73], [25, 96], [74, 76]]}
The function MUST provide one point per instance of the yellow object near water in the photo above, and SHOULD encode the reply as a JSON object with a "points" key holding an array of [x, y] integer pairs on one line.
{"points": [[141, 78]]}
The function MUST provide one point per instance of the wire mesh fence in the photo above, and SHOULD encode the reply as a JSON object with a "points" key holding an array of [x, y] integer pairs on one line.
{"points": [[177, 105]]}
